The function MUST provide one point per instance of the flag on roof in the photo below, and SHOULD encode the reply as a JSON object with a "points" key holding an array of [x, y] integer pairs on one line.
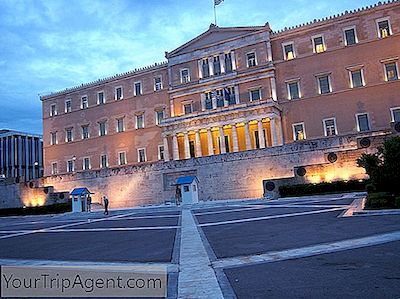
{"points": [[218, 2]]}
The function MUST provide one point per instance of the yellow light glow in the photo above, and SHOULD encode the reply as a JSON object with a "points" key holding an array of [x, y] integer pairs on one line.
{"points": [[290, 55]]}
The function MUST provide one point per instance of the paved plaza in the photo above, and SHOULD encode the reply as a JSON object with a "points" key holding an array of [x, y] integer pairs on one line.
{"points": [[309, 247]]}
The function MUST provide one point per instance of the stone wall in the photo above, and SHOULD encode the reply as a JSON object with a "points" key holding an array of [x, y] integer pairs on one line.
{"points": [[228, 176]]}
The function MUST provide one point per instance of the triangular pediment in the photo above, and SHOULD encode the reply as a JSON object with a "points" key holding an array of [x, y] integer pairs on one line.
{"points": [[215, 35]]}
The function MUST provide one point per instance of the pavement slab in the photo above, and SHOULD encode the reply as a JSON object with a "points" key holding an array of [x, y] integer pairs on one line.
{"points": [[369, 272]]}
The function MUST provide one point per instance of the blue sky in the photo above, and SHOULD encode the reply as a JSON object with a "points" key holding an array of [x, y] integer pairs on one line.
{"points": [[50, 45]]}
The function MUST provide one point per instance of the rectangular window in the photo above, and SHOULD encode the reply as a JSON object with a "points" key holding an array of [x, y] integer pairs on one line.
{"points": [[53, 110], [100, 98], [159, 116], [298, 132], [384, 29], [118, 93], [85, 132], [217, 66], [140, 121], [53, 138], [141, 155], [228, 63], [102, 128], [395, 112], [357, 78], [120, 125], [122, 158], [103, 161], [255, 94], [84, 102], [185, 77], [208, 101], [205, 68], [350, 36], [158, 83], [330, 127], [137, 88], [293, 90], [391, 71], [288, 51], [362, 122], [68, 106], [54, 168], [69, 135], [187, 108], [86, 164], [229, 95], [319, 44], [324, 84], [161, 152], [70, 166], [251, 59]]}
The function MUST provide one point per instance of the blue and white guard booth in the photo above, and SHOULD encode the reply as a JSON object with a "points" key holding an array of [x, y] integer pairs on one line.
{"points": [[189, 188], [79, 199]]}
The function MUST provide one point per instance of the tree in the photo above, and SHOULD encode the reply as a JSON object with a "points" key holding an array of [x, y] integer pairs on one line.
{"points": [[383, 167]]}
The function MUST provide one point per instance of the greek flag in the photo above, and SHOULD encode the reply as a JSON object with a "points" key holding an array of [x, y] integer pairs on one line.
{"points": [[218, 2]]}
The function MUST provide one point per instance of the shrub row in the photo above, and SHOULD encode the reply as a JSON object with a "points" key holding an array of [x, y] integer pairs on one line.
{"points": [[52, 209], [322, 188], [382, 200]]}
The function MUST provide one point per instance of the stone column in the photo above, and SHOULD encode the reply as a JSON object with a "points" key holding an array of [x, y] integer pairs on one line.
{"points": [[269, 51], [273, 89], [175, 147], [279, 129], [237, 99], [233, 60], [247, 135], [33, 157], [166, 149], [210, 142], [222, 140], [235, 139], [261, 138], [20, 156], [1, 156], [274, 136], [198, 144], [186, 143], [203, 102], [222, 62], [211, 66], [26, 159], [12, 155], [172, 108], [200, 66]]}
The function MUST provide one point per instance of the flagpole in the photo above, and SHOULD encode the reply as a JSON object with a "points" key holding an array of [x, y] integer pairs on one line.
{"points": [[215, 14]]}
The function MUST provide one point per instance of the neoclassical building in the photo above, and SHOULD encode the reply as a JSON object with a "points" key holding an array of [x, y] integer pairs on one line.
{"points": [[232, 90]]}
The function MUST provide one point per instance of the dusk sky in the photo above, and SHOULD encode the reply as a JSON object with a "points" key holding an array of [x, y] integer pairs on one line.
{"points": [[49, 45]]}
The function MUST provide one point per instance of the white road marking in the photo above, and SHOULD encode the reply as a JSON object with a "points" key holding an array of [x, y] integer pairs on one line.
{"points": [[147, 217], [308, 251], [83, 221], [106, 229], [17, 262], [270, 217], [196, 278]]}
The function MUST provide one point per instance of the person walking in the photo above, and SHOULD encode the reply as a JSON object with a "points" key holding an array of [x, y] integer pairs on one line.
{"points": [[89, 203], [105, 200], [178, 195]]}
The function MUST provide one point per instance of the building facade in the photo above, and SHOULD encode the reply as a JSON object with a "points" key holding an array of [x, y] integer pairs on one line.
{"points": [[21, 155], [234, 90]]}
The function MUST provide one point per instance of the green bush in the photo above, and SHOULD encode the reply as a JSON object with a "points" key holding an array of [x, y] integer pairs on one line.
{"points": [[322, 188], [397, 202], [52, 209], [383, 166], [380, 200]]}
